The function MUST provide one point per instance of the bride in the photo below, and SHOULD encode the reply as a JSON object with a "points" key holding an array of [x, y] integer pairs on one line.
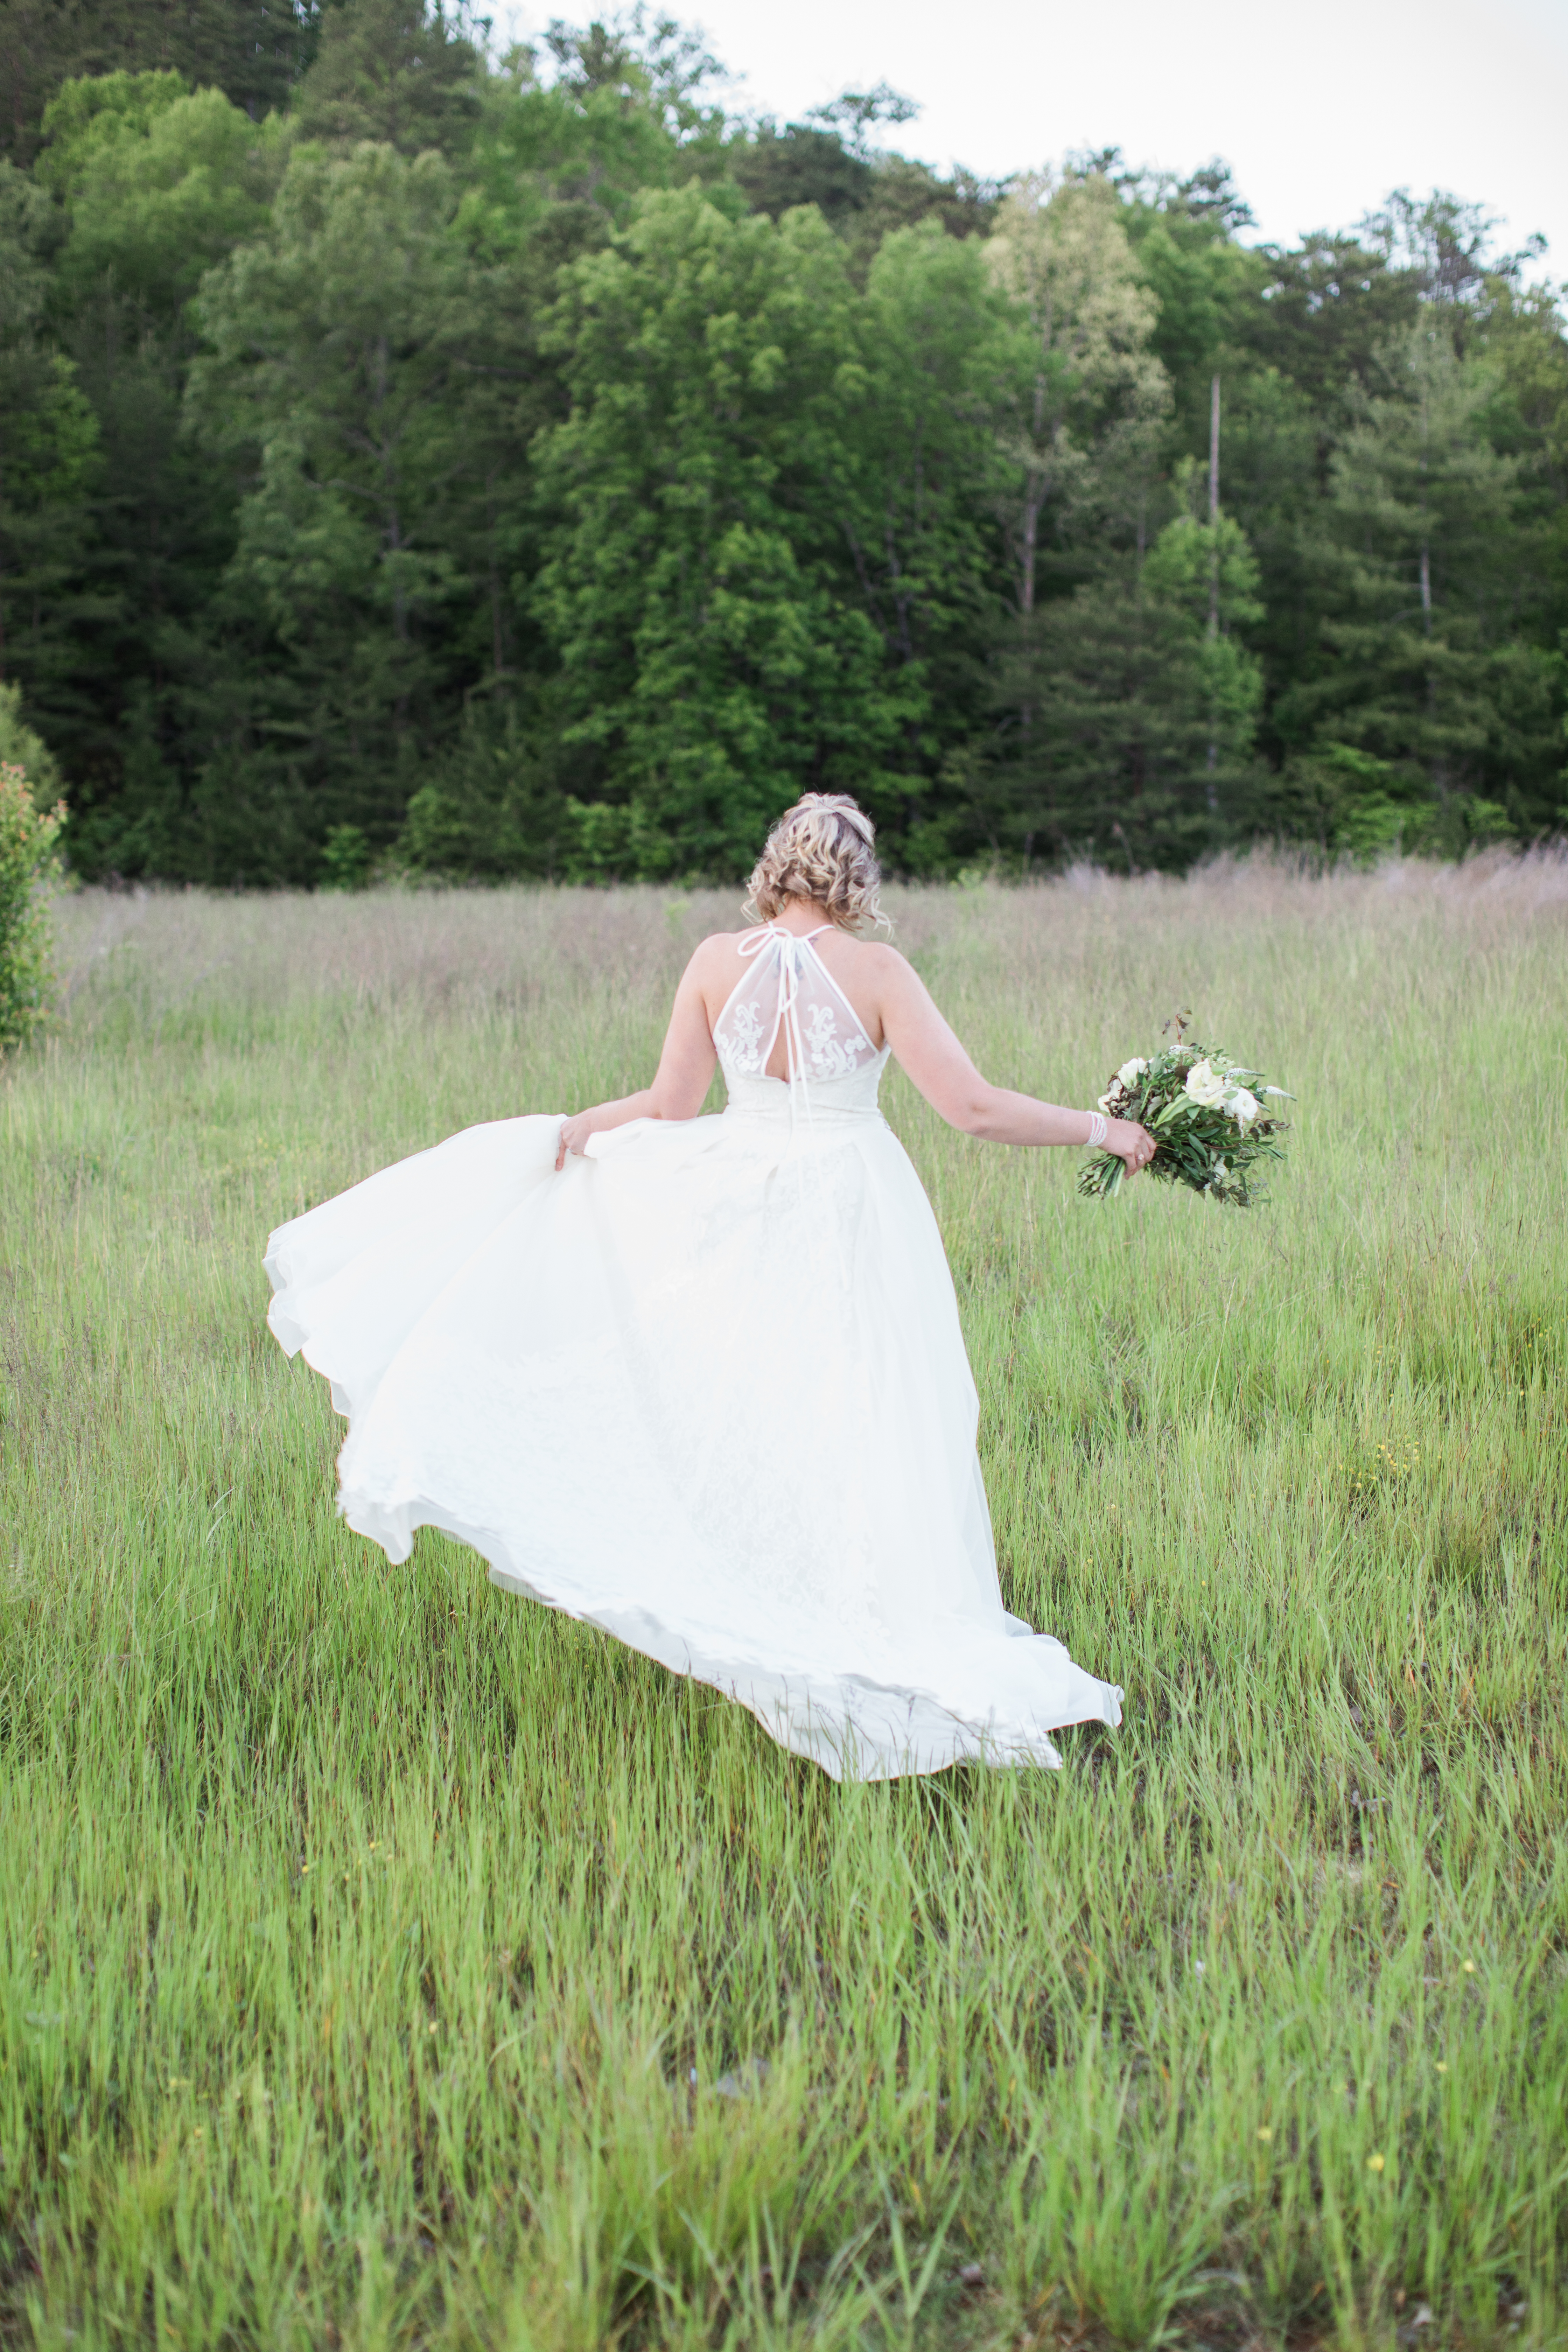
{"points": [[700, 1382]]}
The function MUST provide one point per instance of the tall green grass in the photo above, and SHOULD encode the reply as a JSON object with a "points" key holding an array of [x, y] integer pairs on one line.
{"points": [[387, 1961]]}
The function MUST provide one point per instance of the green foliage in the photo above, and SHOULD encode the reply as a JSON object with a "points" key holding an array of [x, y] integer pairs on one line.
{"points": [[1425, 666], [391, 71], [1212, 1141], [27, 867], [160, 185], [712, 645], [355, 381], [358, 360], [22, 747], [365, 1929], [253, 50], [1126, 722], [494, 806], [345, 858]]}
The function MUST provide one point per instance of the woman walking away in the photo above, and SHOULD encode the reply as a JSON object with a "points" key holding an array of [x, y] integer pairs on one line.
{"points": [[700, 1382]]}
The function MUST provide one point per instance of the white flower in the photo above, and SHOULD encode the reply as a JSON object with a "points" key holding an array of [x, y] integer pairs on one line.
{"points": [[1130, 1072], [1105, 1103], [1204, 1085], [1278, 1090], [1243, 1108]]}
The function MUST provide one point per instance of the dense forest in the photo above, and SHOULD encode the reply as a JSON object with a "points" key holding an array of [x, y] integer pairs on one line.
{"points": [[417, 457]]}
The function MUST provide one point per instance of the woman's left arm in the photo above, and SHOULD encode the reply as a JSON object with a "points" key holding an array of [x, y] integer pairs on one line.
{"points": [[684, 1075]]}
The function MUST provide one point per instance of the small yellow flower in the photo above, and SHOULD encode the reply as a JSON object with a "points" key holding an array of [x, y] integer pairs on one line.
{"points": [[1442, 2065], [1264, 2133], [1374, 2164], [1469, 1967]]}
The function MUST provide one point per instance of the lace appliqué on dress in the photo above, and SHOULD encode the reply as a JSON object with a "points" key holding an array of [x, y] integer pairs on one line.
{"points": [[788, 987], [830, 1056], [739, 1042]]}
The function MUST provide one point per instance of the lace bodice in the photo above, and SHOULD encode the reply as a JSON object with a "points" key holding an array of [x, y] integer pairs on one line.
{"points": [[788, 987]]}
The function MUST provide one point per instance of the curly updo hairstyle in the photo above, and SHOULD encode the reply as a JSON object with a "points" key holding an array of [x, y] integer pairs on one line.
{"points": [[822, 849]]}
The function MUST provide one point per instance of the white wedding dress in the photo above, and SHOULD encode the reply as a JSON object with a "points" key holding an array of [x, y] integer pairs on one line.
{"points": [[706, 1389]]}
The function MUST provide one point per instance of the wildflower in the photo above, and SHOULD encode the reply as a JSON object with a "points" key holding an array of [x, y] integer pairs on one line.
{"points": [[1374, 2164], [1264, 2133], [1469, 1967], [1128, 1075]]}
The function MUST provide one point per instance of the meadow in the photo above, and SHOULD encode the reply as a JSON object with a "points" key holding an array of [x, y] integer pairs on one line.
{"points": [[385, 1962]]}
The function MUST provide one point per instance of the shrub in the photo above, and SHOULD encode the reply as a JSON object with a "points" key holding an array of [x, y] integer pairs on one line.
{"points": [[25, 746], [27, 866], [345, 858]]}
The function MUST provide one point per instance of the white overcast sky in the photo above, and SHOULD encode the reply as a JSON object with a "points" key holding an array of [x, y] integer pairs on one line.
{"points": [[1320, 108]]}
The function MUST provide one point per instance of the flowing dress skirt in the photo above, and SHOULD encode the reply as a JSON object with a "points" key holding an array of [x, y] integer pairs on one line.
{"points": [[705, 1389]]}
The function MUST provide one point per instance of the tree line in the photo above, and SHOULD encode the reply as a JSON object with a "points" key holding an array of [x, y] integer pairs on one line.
{"points": [[518, 466]]}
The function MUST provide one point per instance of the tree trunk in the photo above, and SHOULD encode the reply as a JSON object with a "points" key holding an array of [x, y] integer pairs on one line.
{"points": [[1435, 766], [1034, 498]]}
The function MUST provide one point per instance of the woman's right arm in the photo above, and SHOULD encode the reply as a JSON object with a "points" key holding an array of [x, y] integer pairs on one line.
{"points": [[933, 1060], [685, 1069]]}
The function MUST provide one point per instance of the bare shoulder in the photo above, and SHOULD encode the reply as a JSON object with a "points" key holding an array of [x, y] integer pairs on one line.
{"points": [[883, 965], [711, 971], [709, 954]]}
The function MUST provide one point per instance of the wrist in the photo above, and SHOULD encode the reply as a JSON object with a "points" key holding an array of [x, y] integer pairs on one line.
{"points": [[1098, 1129]]}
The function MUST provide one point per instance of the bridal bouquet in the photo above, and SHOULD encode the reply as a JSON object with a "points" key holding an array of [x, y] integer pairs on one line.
{"points": [[1209, 1118]]}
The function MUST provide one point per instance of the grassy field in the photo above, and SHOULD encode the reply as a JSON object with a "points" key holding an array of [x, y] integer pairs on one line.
{"points": [[385, 1962]]}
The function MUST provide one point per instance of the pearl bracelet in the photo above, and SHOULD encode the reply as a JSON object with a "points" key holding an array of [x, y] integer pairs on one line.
{"points": [[1098, 1130]]}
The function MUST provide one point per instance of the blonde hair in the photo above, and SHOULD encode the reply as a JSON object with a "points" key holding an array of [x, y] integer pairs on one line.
{"points": [[821, 849]]}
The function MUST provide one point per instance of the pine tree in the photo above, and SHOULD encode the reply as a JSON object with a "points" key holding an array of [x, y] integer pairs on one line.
{"points": [[390, 70], [50, 467], [358, 363], [161, 184], [1425, 668], [1125, 723]]}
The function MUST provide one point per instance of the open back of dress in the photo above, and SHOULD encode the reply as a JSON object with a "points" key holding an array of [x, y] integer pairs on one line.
{"points": [[788, 997]]}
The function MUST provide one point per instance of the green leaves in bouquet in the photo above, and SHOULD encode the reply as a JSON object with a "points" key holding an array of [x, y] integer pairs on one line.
{"points": [[1201, 1144]]}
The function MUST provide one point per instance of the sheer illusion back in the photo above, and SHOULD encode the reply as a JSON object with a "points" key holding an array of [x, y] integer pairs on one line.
{"points": [[787, 994]]}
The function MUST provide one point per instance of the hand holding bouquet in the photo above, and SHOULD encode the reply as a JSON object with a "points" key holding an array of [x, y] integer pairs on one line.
{"points": [[1208, 1116]]}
